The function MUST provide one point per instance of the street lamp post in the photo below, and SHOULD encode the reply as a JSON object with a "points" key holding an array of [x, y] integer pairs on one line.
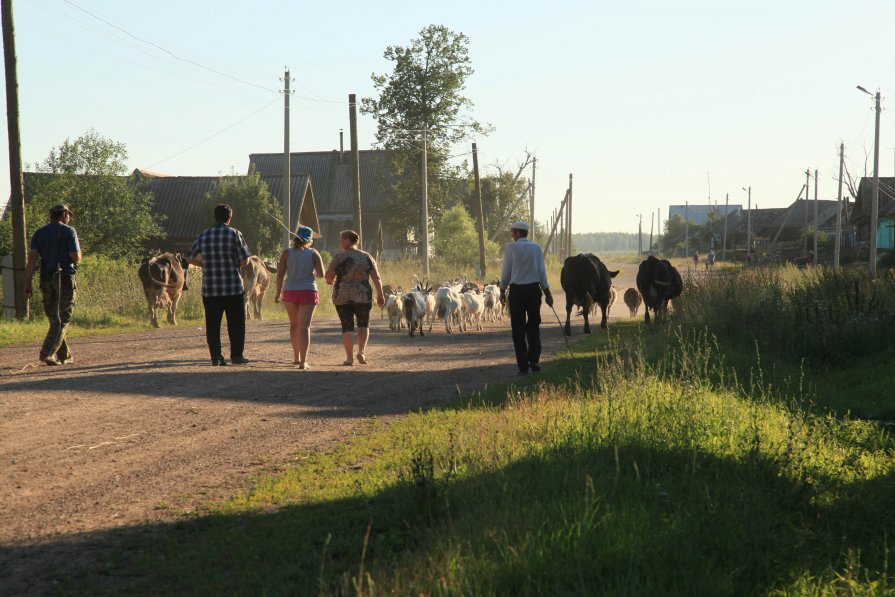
{"points": [[874, 199]]}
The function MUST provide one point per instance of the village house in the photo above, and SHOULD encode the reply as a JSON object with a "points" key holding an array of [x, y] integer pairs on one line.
{"points": [[860, 215], [331, 173]]}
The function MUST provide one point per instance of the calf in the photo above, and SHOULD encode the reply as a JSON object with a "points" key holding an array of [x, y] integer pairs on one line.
{"points": [[255, 280], [633, 300], [163, 283]]}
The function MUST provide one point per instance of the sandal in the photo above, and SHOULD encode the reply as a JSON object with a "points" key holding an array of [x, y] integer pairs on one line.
{"points": [[348, 363], [296, 362], [303, 366], [361, 358]]}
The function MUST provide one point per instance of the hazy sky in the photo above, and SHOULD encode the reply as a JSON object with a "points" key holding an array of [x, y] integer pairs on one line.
{"points": [[638, 99]]}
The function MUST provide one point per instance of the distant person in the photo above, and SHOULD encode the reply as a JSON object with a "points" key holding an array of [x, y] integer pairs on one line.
{"points": [[220, 251], [57, 246], [350, 273], [525, 273], [695, 259], [300, 265], [710, 260]]}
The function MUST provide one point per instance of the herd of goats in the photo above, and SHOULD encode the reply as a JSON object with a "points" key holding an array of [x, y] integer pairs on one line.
{"points": [[586, 282]]}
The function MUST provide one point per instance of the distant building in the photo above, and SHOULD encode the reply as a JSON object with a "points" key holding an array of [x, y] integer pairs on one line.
{"points": [[699, 214], [331, 172], [860, 216]]}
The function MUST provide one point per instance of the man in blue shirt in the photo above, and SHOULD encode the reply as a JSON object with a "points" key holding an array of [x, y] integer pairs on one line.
{"points": [[525, 273], [56, 244], [220, 251]]}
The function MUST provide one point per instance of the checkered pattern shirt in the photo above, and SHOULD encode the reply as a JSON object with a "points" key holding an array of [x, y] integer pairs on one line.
{"points": [[222, 248]]}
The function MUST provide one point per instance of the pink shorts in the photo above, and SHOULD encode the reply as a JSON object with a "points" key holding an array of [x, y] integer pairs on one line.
{"points": [[301, 297]]}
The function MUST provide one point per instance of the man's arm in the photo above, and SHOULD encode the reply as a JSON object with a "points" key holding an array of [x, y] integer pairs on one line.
{"points": [[243, 250], [507, 268], [545, 284], [29, 271], [74, 248], [193, 256]]}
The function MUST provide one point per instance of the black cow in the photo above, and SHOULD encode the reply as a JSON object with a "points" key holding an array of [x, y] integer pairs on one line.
{"points": [[586, 281], [659, 282]]}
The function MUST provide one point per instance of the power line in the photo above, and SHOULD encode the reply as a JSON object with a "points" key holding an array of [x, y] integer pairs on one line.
{"points": [[167, 51], [210, 137]]}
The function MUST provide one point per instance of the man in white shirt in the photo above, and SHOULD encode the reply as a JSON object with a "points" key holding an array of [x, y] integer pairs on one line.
{"points": [[525, 273]]}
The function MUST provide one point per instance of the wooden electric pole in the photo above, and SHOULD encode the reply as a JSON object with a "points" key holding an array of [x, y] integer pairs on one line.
{"points": [[481, 211], [652, 220], [287, 164], [534, 169], [569, 227], [805, 214], [355, 165], [814, 261], [726, 215], [838, 240], [16, 184], [686, 229]]}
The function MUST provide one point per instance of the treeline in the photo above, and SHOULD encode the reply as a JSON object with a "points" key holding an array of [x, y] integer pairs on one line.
{"points": [[603, 242]]}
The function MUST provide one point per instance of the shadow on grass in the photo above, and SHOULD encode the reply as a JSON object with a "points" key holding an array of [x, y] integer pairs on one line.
{"points": [[577, 519]]}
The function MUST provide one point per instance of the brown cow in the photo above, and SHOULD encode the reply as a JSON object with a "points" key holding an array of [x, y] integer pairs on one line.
{"points": [[256, 280], [163, 282]]}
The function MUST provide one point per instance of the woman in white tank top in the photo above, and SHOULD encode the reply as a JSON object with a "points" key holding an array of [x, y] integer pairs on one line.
{"points": [[300, 265]]}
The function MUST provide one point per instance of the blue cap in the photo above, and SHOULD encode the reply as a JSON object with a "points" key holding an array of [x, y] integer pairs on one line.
{"points": [[304, 233]]}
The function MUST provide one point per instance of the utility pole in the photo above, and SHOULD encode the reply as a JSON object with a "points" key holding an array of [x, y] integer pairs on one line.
{"points": [[569, 227], [481, 214], [534, 169], [874, 207], [749, 226], [16, 184], [659, 224], [805, 213], [424, 208], [355, 164], [814, 261], [726, 214], [652, 220], [838, 240], [686, 229], [640, 234], [287, 163]]}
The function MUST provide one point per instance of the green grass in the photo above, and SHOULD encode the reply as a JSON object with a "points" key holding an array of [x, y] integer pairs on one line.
{"points": [[613, 473]]}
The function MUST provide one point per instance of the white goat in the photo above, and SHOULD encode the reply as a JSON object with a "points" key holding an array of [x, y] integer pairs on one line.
{"points": [[449, 303], [395, 308], [491, 298], [475, 309], [418, 304]]}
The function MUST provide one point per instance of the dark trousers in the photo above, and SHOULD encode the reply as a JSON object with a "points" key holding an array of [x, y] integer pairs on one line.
{"points": [[59, 293], [525, 317], [235, 307]]}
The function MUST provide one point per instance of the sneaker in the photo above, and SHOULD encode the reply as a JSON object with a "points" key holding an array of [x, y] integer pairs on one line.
{"points": [[218, 362], [51, 360], [240, 360], [535, 368]]}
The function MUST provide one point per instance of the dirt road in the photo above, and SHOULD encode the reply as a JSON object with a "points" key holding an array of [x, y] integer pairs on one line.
{"points": [[141, 426]]}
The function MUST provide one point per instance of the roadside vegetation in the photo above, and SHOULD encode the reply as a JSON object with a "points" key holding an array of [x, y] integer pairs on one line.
{"points": [[110, 297], [661, 460]]}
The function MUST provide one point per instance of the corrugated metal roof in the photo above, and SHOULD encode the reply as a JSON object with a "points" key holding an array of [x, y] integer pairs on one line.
{"points": [[332, 177], [181, 199]]}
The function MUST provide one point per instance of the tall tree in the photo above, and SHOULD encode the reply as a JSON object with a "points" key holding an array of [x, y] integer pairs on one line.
{"points": [[113, 213], [424, 91], [254, 209]]}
